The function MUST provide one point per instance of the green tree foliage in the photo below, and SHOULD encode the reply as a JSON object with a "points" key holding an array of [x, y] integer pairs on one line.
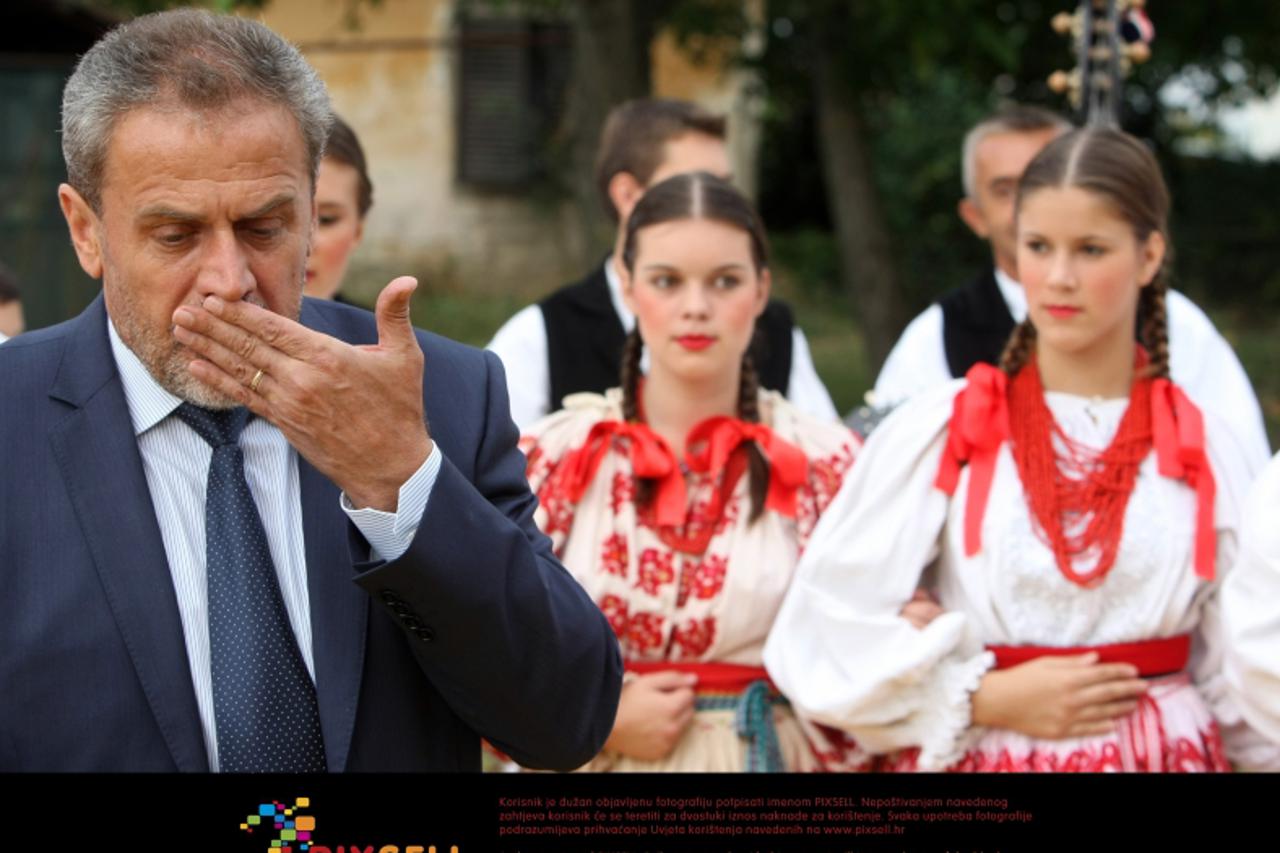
{"points": [[141, 7], [917, 75]]}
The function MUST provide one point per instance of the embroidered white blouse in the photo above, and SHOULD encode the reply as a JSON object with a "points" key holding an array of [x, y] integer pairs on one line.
{"points": [[843, 655], [665, 604]]}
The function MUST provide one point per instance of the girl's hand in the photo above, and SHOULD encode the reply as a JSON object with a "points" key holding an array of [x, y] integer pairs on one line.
{"points": [[1058, 696], [921, 609], [653, 713]]}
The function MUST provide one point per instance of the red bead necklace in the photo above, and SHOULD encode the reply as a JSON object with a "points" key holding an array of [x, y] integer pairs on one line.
{"points": [[1077, 495]]}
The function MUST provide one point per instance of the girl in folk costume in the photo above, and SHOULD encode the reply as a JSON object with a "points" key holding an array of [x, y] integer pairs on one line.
{"points": [[1074, 509], [681, 501], [1250, 604]]}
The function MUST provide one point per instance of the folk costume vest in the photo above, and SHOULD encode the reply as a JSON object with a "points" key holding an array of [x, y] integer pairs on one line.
{"points": [[976, 323]]}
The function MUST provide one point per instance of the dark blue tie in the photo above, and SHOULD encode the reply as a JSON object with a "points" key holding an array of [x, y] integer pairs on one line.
{"points": [[264, 703]]}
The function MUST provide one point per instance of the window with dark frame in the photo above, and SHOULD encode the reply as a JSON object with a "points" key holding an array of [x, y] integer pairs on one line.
{"points": [[512, 78]]}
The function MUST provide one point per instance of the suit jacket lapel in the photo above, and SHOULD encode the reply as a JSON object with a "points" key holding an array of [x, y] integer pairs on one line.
{"points": [[339, 608], [98, 457]]}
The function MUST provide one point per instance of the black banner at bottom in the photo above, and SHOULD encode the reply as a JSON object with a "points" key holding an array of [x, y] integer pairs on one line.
{"points": [[507, 813]]}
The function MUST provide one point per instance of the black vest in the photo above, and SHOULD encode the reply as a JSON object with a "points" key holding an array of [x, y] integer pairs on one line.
{"points": [[585, 340], [976, 324]]}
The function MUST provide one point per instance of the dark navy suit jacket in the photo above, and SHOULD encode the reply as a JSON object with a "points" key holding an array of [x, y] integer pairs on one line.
{"points": [[476, 631]]}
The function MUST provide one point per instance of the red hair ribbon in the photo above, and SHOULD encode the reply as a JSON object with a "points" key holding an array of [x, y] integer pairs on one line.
{"points": [[979, 425], [651, 458], [716, 438], [1177, 429]]}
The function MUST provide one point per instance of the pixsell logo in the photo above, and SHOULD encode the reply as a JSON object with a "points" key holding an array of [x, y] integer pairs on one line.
{"points": [[284, 828]]}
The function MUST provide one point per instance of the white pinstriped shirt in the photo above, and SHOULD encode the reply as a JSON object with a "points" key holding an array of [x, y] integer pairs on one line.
{"points": [[176, 460]]}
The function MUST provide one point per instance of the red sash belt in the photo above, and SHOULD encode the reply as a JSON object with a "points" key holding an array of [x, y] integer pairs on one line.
{"points": [[712, 677], [745, 690], [1151, 657], [1140, 734]]}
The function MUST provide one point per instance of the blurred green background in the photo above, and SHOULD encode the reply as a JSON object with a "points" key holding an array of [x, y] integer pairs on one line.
{"points": [[890, 85]]}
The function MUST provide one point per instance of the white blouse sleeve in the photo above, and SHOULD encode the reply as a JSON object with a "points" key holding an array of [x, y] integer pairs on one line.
{"points": [[804, 388], [917, 362], [546, 444], [521, 343], [1251, 618], [839, 650], [1203, 363]]}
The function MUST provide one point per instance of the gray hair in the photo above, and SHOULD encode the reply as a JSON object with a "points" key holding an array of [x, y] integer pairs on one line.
{"points": [[1013, 118], [186, 57]]}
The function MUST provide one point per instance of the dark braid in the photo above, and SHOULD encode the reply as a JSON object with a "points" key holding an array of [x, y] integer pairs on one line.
{"points": [[1155, 327], [631, 354], [1018, 350], [749, 411], [645, 487]]}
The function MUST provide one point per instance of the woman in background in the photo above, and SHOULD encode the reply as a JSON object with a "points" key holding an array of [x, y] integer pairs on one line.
{"points": [[1074, 509], [344, 195], [681, 501]]}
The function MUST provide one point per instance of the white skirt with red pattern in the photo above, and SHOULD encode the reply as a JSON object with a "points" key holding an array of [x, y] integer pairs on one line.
{"points": [[1171, 731]]}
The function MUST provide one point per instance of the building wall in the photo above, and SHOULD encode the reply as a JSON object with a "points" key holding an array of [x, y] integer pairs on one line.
{"points": [[393, 78]]}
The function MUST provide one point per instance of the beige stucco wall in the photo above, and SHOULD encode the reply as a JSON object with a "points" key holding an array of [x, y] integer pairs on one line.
{"points": [[393, 80], [715, 84]]}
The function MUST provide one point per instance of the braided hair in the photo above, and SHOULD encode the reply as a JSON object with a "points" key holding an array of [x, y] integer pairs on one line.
{"points": [[697, 195], [1121, 170]]}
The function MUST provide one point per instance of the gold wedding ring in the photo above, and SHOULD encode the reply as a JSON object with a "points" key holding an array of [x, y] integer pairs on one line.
{"points": [[257, 377]]}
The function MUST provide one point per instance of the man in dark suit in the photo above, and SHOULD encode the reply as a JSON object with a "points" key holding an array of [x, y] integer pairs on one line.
{"points": [[329, 583]]}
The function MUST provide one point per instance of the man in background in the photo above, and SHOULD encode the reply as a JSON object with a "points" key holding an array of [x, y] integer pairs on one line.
{"points": [[572, 341]]}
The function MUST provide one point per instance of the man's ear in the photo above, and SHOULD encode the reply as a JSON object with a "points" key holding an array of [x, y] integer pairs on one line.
{"points": [[627, 280], [972, 216], [624, 192], [86, 233], [766, 287]]}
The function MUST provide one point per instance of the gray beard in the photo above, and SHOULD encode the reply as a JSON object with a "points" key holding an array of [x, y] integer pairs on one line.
{"points": [[166, 359]]}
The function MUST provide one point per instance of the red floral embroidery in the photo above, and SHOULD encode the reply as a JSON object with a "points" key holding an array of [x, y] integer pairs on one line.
{"points": [[1183, 755], [622, 491], [613, 555], [615, 610], [708, 577], [644, 632], [656, 569], [559, 516], [554, 501], [730, 515], [533, 456], [693, 638], [837, 752], [825, 477], [702, 579], [688, 566]]}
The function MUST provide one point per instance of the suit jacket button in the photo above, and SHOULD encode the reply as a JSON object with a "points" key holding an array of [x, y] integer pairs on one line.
{"points": [[425, 634], [389, 596], [411, 623]]}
